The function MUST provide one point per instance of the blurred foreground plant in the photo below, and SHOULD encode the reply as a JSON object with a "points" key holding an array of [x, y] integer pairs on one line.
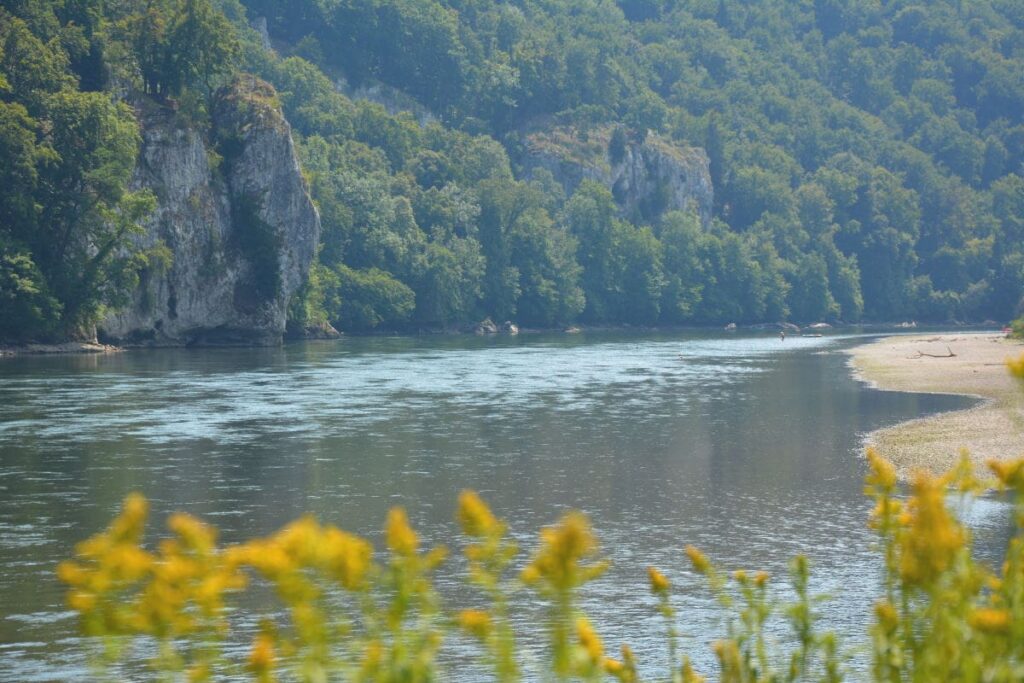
{"points": [[942, 615]]}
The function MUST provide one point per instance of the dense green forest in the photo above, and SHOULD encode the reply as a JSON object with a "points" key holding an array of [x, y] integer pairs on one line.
{"points": [[867, 157]]}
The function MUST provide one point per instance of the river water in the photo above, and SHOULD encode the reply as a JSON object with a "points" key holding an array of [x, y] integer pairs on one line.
{"points": [[746, 446]]}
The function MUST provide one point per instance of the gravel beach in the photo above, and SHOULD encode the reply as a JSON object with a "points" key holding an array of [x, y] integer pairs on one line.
{"points": [[969, 364]]}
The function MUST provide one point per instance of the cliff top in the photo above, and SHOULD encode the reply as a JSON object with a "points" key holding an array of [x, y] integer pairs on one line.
{"points": [[248, 101]]}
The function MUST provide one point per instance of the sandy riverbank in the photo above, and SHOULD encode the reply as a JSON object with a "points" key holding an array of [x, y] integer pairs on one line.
{"points": [[992, 429]]}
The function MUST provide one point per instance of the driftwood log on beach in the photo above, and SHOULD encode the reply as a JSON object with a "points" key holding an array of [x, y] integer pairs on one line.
{"points": [[921, 354]]}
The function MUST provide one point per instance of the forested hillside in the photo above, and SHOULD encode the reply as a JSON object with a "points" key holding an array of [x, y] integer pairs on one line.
{"points": [[866, 158]]}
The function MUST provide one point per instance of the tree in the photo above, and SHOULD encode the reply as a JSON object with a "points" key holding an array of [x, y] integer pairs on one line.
{"points": [[88, 215], [27, 309], [372, 298], [810, 298], [545, 256], [681, 237], [589, 216], [182, 43]]}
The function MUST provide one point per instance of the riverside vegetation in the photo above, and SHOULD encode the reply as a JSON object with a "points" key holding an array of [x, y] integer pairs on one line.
{"points": [[941, 614], [865, 157]]}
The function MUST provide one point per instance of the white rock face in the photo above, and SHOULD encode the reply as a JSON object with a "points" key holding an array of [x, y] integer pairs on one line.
{"points": [[241, 236], [648, 179]]}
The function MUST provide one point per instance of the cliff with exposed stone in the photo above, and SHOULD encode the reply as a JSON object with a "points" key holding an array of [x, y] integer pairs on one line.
{"points": [[646, 178], [234, 232]]}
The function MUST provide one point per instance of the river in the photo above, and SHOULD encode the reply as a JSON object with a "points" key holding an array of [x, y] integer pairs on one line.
{"points": [[745, 446]]}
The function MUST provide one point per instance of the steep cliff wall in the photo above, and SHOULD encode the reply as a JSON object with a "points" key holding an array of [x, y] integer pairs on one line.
{"points": [[646, 179], [235, 219]]}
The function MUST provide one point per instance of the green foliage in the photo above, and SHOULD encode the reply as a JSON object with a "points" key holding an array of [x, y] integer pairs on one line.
{"points": [[181, 42], [316, 302], [27, 310], [372, 298]]}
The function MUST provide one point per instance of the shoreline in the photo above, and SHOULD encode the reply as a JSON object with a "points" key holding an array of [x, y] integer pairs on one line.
{"points": [[70, 347], [13, 350], [991, 429]]}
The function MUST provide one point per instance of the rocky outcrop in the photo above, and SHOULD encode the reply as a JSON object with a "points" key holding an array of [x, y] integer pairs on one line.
{"points": [[485, 326], [646, 178], [234, 232]]}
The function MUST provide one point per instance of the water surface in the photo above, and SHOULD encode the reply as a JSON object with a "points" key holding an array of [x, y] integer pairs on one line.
{"points": [[745, 446]]}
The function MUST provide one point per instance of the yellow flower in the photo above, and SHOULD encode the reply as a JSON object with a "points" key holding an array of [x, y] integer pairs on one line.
{"points": [[1016, 366], [134, 511], [729, 659], [624, 670], [530, 574], [71, 573], [740, 576], [963, 477], [659, 583], [558, 562], [990, 620], [475, 517], [193, 533], [400, 536], [887, 616], [199, 673], [82, 602], [373, 654], [346, 557], [262, 656], [761, 579], [1010, 473], [689, 675], [613, 667], [885, 508], [881, 473], [475, 622], [933, 537], [589, 640], [698, 559]]}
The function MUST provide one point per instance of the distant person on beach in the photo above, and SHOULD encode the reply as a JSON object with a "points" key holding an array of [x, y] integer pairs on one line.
{"points": [[782, 335]]}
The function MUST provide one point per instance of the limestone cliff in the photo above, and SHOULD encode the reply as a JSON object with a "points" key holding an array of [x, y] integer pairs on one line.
{"points": [[235, 230], [646, 178]]}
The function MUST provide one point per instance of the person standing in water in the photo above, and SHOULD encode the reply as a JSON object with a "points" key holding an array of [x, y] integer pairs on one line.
{"points": [[782, 335]]}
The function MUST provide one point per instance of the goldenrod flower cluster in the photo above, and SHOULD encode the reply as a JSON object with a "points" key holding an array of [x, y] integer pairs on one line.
{"points": [[561, 563], [350, 616], [489, 555], [659, 584], [120, 589], [109, 565]]}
